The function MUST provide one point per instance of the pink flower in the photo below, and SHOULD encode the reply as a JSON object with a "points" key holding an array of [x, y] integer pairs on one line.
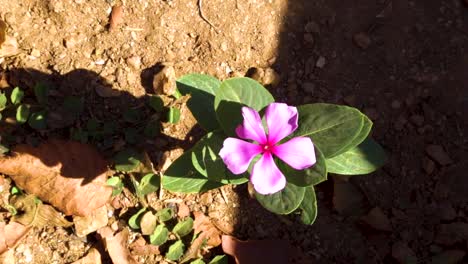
{"points": [[281, 121]]}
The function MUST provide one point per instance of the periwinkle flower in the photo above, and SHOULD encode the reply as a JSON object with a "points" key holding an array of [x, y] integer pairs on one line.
{"points": [[281, 121]]}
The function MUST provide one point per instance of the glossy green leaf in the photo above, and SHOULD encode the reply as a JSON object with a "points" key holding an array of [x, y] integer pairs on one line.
{"points": [[73, 105], [284, 201], [201, 103], [156, 103], [165, 214], [175, 251], [310, 176], [160, 235], [235, 93], [41, 91], [363, 159], [38, 120], [117, 185], [308, 206], [22, 113], [183, 228], [16, 96], [363, 133], [15, 190], [173, 115], [198, 261], [134, 221], [220, 259], [3, 101], [149, 184], [127, 160], [332, 128]]}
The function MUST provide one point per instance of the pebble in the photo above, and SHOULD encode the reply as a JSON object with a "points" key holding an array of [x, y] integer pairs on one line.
{"points": [[70, 42], [134, 62], [428, 166], [321, 61], [362, 40], [164, 82], [438, 154], [36, 53]]}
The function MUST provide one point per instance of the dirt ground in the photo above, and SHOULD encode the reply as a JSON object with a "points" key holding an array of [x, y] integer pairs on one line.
{"points": [[403, 63]]}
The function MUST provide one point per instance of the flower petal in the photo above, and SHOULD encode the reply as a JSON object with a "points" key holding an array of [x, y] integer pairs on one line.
{"points": [[237, 154], [298, 152], [281, 120], [266, 177], [252, 127]]}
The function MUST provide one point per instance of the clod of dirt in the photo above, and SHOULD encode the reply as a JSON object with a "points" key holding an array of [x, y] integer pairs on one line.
{"points": [[453, 256], [92, 257], [164, 82], [88, 224], [3, 81], [321, 61], [362, 40], [116, 17], [9, 47], [251, 252], [438, 154], [403, 254], [377, 219], [266, 76], [11, 234], [347, 199], [69, 175], [116, 245], [134, 62]]}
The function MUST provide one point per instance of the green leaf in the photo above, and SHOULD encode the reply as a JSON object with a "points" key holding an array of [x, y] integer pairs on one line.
{"points": [[156, 103], [363, 159], [134, 221], [42, 92], [117, 185], [308, 206], [220, 259], [22, 113], [127, 160], [149, 184], [332, 128], [183, 228], [3, 101], [284, 201], [152, 129], [201, 103], [160, 235], [38, 120], [3, 149], [363, 133], [173, 115], [73, 105], [310, 176], [15, 190], [206, 160], [235, 93], [16, 96], [177, 94], [198, 261], [175, 251], [165, 214]]}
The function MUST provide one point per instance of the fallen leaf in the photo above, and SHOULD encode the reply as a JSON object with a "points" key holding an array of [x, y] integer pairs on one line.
{"points": [[36, 214], [148, 223], [183, 211], [9, 47], [250, 252], [207, 236], [116, 245], [116, 17], [85, 225], [11, 234], [92, 257], [69, 175], [140, 248]]}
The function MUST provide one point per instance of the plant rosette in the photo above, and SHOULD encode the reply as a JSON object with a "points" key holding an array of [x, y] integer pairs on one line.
{"points": [[282, 150]]}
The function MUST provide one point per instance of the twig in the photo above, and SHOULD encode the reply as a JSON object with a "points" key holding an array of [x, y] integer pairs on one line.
{"points": [[200, 11]]}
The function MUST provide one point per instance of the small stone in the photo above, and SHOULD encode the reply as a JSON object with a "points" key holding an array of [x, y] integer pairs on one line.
{"points": [[35, 53], [362, 40], [164, 82], [449, 257], [438, 154], [309, 87], [134, 62], [428, 166], [396, 104], [403, 254], [70, 42], [377, 219], [321, 62], [418, 120], [271, 77]]}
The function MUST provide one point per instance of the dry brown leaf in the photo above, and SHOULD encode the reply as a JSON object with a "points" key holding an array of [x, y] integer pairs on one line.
{"points": [[148, 223], [116, 17], [36, 214], [9, 47], [208, 236], [92, 257], [140, 248], [116, 245], [85, 225], [250, 252], [69, 175], [11, 234], [183, 211]]}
